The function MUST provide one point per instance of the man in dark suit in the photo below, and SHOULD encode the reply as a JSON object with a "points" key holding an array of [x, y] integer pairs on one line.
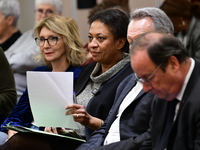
{"points": [[134, 120], [176, 77], [126, 126]]}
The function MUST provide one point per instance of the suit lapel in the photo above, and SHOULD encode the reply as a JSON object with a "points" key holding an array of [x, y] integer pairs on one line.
{"points": [[126, 90], [192, 83], [119, 100]]}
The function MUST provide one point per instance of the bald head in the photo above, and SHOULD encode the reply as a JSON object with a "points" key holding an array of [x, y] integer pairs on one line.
{"points": [[159, 47]]}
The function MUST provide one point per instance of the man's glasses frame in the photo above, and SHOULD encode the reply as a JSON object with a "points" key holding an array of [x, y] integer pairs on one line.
{"points": [[149, 78], [46, 12]]}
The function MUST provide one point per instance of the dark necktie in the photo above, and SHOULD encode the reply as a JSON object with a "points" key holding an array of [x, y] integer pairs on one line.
{"points": [[168, 125]]}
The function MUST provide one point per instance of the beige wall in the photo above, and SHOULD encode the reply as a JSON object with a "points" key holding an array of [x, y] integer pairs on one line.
{"points": [[26, 20]]}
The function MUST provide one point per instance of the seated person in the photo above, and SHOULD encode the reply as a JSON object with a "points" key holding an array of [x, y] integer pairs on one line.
{"points": [[62, 49], [176, 82], [8, 96], [9, 15], [97, 83], [22, 53]]}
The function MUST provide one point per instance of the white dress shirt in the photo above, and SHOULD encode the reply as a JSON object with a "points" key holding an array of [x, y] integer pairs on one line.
{"points": [[114, 133]]}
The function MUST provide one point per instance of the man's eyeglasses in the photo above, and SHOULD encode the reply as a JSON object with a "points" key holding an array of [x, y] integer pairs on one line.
{"points": [[50, 40], [149, 78], [47, 12]]}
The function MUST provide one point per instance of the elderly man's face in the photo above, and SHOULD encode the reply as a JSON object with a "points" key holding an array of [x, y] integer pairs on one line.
{"points": [[43, 11], [165, 84], [138, 27], [161, 83]]}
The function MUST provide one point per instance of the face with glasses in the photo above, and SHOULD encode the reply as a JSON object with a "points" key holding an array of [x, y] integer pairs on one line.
{"points": [[43, 11], [153, 78], [52, 46], [149, 78]]}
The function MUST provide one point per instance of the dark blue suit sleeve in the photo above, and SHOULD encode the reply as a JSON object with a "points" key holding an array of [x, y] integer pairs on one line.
{"points": [[97, 139]]}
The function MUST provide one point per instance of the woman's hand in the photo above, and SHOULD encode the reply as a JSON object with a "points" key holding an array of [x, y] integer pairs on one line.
{"points": [[83, 117], [11, 133], [54, 130], [79, 113]]}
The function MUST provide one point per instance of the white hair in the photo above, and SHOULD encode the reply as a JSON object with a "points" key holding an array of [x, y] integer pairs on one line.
{"points": [[10, 8], [56, 3]]}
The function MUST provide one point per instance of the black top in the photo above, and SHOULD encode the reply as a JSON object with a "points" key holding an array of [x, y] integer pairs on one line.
{"points": [[101, 103], [11, 40]]}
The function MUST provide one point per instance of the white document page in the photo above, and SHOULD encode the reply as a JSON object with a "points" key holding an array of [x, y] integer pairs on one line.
{"points": [[49, 93]]}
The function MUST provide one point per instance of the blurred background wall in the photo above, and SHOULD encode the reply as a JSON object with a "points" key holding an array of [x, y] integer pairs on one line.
{"points": [[70, 9]]}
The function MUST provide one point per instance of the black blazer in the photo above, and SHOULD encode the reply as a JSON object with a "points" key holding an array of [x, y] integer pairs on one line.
{"points": [[134, 121], [101, 103], [185, 133]]}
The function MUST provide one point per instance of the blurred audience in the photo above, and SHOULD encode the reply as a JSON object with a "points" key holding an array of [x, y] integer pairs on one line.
{"points": [[185, 18], [196, 8], [9, 15], [21, 54]]}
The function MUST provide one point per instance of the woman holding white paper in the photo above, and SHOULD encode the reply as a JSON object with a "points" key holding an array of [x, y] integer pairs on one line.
{"points": [[98, 81], [62, 50]]}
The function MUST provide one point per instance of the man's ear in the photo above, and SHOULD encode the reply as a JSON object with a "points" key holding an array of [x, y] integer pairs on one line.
{"points": [[10, 20], [174, 63]]}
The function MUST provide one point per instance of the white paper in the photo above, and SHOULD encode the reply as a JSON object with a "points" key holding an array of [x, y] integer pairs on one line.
{"points": [[49, 93]]}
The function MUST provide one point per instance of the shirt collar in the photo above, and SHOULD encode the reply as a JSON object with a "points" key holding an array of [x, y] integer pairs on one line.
{"points": [[180, 94]]}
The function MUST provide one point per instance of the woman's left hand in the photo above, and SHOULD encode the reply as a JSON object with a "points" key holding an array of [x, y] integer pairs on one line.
{"points": [[79, 113], [83, 117]]}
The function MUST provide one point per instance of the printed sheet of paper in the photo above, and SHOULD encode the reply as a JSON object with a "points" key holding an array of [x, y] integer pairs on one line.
{"points": [[49, 93]]}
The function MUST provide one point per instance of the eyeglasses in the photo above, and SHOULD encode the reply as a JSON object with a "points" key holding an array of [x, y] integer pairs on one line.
{"points": [[47, 12], [50, 40], [149, 78]]}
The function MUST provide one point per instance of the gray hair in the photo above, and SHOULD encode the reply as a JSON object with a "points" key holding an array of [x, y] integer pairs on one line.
{"points": [[161, 21], [10, 8], [56, 3]]}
